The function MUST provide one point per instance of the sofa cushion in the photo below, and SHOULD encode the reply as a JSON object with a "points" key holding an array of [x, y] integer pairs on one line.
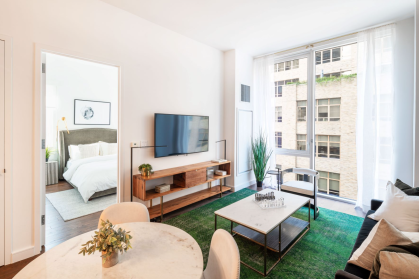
{"points": [[382, 235], [407, 189], [399, 209], [396, 261], [366, 227]]}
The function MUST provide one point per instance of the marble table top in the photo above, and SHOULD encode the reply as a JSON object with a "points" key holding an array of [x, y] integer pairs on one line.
{"points": [[159, 251], [246, 212]]}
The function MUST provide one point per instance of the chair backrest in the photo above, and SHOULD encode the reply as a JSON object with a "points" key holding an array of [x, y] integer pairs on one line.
{"points": [[125, 212], [224, 257], [305, 171]]}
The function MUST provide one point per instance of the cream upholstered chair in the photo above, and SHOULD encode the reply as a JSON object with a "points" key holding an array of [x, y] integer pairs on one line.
{"points": [[224, 257], [307, 188], [125, 212]]}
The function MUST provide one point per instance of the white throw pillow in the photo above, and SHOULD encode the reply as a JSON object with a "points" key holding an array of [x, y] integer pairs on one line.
{"points": [[88, 150], [107, 148], [399, 209], [74, 152]]}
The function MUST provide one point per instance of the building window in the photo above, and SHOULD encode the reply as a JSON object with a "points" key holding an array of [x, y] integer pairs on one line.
{"points": [[301, 142], [328, 109], [278, 139], [335, 74], [278, 114], [329, 182], [287, 65], [278, 88], [328, 146], [328, 55], [280, 83], [301, 110]]}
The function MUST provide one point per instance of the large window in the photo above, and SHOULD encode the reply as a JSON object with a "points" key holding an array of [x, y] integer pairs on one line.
{"points": [[328, 146], [278, 114], [301, 142], [329, 182], [278, 139], [328, 55], [328, 109]]}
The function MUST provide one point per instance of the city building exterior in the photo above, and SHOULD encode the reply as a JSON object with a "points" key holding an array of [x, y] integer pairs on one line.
{"points": [[335, 118]]}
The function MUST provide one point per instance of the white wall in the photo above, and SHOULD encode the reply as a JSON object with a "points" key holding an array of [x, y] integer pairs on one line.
{"points": [[404, 101], [238, 70], [162, 71], [78, 79]]}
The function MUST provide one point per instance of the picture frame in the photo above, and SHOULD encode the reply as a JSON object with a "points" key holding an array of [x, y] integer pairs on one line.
{"points": [[88, 112]]}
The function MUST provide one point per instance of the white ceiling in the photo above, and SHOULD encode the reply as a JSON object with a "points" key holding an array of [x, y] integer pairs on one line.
{"points": [[264, 26]]}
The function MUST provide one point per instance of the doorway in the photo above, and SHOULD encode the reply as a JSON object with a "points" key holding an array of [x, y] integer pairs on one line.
{"points": [[79, 127]]}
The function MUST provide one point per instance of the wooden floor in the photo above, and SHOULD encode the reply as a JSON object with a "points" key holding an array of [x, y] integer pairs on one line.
{"points": [[58, 231]]}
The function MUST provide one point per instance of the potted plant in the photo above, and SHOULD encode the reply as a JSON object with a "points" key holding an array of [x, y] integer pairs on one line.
{"points": [[48, 152], [260, 158], [109, 240], [145, 169]]}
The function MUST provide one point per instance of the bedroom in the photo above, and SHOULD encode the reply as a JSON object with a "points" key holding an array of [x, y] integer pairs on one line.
{"points": [[81, 122]]}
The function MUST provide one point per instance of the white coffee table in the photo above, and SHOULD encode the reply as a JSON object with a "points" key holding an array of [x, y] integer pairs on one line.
{"points": [[275, 228]]}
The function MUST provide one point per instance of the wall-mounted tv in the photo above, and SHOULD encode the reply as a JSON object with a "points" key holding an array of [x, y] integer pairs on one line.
{"points": [[182, 134]]}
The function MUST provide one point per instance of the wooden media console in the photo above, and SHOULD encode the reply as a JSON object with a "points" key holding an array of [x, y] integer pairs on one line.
{"points": [[184, 178]]}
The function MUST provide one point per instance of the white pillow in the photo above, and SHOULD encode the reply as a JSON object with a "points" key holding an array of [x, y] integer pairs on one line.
{"points": [[88, 150], [413, 236], [107, 148], [74, 152], [399, 209]]}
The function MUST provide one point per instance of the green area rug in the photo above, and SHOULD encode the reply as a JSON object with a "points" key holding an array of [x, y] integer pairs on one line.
{"points": [[319, 254]]}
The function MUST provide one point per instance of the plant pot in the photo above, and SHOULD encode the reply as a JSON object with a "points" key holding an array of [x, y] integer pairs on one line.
{"points": [[46, 159], [113, 260], [259, 183]]}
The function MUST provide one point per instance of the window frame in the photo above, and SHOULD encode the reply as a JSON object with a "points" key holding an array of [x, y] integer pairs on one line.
{"points": [[328, 183], [328, 118], [328, 154], [278, 110]]}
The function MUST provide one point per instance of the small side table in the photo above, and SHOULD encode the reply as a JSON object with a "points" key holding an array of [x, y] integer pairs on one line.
{"points": [[277, 173], [51, 172]]}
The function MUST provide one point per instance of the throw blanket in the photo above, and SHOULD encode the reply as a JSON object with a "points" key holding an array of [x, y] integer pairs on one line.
{"points": [[396, 261], [94, 174]]}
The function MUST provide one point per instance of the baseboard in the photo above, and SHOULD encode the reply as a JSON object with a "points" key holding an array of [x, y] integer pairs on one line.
{"points": [[23, 254], [242, 186]]}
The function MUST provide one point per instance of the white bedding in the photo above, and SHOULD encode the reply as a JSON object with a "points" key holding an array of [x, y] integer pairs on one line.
{"points": [[94, 174]]}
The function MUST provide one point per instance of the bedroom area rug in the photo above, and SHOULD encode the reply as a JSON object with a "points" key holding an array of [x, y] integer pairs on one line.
{"points": [[319, 254], [70, 205]]}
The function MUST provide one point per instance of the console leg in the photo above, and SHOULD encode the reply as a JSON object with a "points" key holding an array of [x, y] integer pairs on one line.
{"points": [[221, 188], [161, 209]]}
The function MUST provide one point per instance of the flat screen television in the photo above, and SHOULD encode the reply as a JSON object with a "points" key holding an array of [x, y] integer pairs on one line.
{"points": [[182, 134]]}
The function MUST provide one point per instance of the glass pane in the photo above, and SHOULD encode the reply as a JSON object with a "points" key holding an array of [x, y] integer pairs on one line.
{"points": [[322, 147], [294, 104], [337, 127], [333, 185], [301, 137], [335, 112], [336, 54], [334, 138], [323, 174], [323, 184], [334, 175], [335, 101], [334, 150], [323, 102], [281, 66], [318, 57], [326, 56], [278, 139]]}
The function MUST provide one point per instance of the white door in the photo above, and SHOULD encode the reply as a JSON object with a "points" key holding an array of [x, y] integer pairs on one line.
{"points": [[2, 166]]}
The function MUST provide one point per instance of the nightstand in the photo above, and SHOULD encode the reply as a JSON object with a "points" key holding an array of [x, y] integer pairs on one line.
{"points": [[51, 172]]}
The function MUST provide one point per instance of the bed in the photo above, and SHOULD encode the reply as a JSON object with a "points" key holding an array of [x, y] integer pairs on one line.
{"points": [[92, 177]]}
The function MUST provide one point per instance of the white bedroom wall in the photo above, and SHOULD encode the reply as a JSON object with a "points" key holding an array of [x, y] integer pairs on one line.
{"points": [[161, 71]]}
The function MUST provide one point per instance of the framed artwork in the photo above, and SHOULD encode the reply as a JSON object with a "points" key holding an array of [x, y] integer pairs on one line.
{"points": [[92, 112]]}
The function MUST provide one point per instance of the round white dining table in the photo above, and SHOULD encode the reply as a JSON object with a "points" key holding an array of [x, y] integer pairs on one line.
{"points": [[158, 251]]}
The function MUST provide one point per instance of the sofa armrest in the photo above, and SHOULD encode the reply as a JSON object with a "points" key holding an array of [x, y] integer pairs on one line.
{"points": [[340, 274], [375, 204]]}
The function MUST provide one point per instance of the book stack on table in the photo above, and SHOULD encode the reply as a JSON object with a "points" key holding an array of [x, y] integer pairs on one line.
{"points": [[162, 188]]}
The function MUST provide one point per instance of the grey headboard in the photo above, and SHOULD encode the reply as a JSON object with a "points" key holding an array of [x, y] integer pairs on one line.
{"points": [[81, 136]]}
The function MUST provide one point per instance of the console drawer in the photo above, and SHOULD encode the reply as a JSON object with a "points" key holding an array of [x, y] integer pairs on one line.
{"points": [[190, 178]]}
